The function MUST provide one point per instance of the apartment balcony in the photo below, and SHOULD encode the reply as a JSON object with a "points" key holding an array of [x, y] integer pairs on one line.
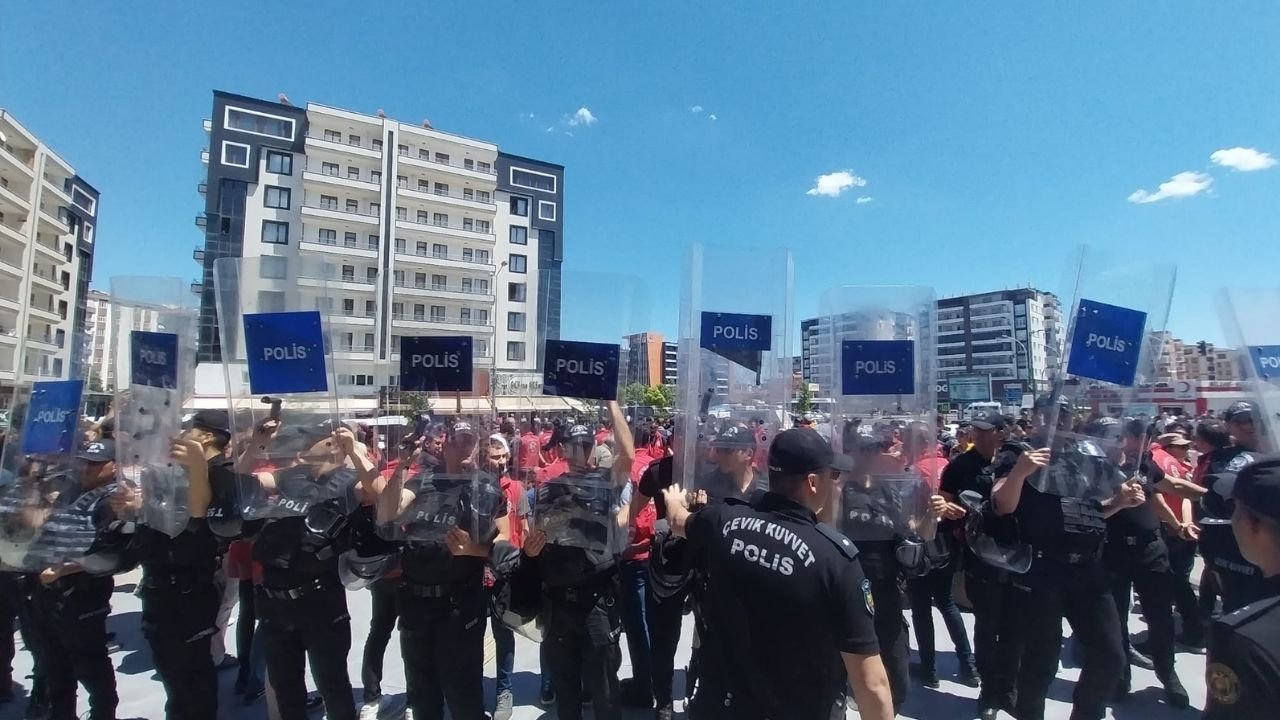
{"points": [[13, 234], [441, 293], [54, 222], [353, 319], [453, 231], [447, 199], [364, 149], [337, 249], [456, 169], [47, 283], [12, 266], [349, 283], [204, 156], [207, 124], [202, 189], [13, 198], [342, 181], [8, 338], [353, 352], [49, 252], [23, 166], [197, 288], [9, 303], [443, 324], [55, 187], [45, 314], [44, 343], [444, 262], [339, 214], [197, 254]]}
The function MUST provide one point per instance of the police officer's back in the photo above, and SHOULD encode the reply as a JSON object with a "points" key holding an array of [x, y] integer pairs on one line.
{"points": [[791, 592], [1243, 675]]}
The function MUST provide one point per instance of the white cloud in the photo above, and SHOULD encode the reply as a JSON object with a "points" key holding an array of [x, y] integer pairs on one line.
{"points": [[695, 109], [1242, 159], [1183, 185], [864, 199], [834, 184], [713, 117], [582, 117]]}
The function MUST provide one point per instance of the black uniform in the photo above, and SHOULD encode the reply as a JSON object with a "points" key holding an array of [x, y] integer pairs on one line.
{"points": [[301, 601], [1138, 559], [1240, 581], [582, 623], [664, 610], [871, 519], [1067, 579], [998, 596], [180, 596], [784, 597], [441, 598]]}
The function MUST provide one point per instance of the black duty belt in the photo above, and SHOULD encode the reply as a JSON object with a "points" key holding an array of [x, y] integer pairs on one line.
{"points": [[425, 591], [156, 580], [576, 594], [1137, 540], [309, 588], [1067, 558]]}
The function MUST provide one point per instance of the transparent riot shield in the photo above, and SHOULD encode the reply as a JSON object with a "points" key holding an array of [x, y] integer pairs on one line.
{"points": [[1113, 341], [1251, 322], [276, 317], [885, 508], [735, 375], [48, 503], [153, 353], [587, 458]]}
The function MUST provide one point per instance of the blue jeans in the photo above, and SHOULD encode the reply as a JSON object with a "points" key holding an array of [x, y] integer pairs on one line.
{"points": [[633, 578], [504, 643]]}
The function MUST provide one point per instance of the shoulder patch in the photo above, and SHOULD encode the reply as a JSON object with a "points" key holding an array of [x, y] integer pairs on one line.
{"points": [[1250, 612], [867, 598], [837, 538], [1239, 461], [1224, 684]]}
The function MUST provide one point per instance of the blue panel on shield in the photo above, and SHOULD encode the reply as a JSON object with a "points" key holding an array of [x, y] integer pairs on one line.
{"points": [[1266, 361], [735, 331], [1106, 342], [581, 369], [877, 367], [435, 364], [285, 352], [53, 418], [153, 359]]}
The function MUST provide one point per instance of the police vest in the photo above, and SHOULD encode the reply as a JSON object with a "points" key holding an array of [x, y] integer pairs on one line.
{"points": [[582, 506]]}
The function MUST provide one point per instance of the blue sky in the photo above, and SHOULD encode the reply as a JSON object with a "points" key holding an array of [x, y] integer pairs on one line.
{"points": [[992, 137]]}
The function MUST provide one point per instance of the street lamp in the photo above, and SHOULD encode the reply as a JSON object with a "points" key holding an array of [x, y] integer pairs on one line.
{"points": [[1031, 379], [493, 365]]}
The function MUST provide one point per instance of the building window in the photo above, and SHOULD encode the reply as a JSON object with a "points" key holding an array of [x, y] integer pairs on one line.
{"points": [[420, 281], [276, 233], [515, 351], [403, 149], [520, 206], [423, 217], [517, 264], [353, 140], [276, 197], [333, 136], [468, 224], [327, 236], [440, 220], [515, 321], [235, 154], [375, 209], [468, 255], [437, 313], [442, 189], [468, 194], [353, 172], [377, 145], [468, 164], [400, 245], [272, 267], [375, 176], [483, 196], [442, 158], [329, 202], [349, 275], [353, 206], [482, 257], [258, 123], [548, 238], [464, 315], [402, 213], [421, 249], [423, 186], [402, 181], [482, 226], [424, 154], [279, 163], [484, 167], [440, 251], [349, 239], [368, 343], [546, 211], [419, 312], [517, 292], [439, 282], [329, 168], [519, 235], [398, 276], [371, 275], [533, 180]]}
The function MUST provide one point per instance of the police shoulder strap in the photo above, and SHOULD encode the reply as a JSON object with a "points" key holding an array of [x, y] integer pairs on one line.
{"points": [[1250, 612], [837, 538]]}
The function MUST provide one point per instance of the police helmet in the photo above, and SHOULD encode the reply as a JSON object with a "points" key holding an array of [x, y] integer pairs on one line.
{"points": [[359, 571]]}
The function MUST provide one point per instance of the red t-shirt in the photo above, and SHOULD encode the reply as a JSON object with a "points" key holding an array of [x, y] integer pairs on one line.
{"points": [[603, 436], [528, 451], [513, 490], [553, 453], [558, 467], [930, 468]]}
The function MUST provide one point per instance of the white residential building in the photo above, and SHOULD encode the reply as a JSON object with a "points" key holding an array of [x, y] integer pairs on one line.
{"points": [[104, 329], [48, 215], [430, 233]]}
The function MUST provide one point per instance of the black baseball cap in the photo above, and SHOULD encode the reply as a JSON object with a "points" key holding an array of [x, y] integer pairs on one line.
{"points": [[460, 428], [800, 450], [1062, 401], [1258, 486], [578, 433], [1236, 409], [213, 421], [98, 451], [734, 436], [989, 420]]}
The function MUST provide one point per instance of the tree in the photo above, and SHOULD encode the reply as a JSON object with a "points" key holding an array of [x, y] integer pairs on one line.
{"points": [[415, 404], [804, 399], [659, 396], [95, 382], [634, 394]]}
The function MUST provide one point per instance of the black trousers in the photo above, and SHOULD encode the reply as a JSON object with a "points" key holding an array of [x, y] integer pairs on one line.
{"points": [[1082, 595], [315, 628], [69, 621], [665, 616], [1182, 560], [179, 622], [246, 625], [935, 590], [442, 642], [998, 605], [382, 622], [1143, 565], [891, 632], [581, 632], [10, 600]]}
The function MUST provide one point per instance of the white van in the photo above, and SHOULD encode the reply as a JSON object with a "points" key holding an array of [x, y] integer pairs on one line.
{"points": [[977, 408]]}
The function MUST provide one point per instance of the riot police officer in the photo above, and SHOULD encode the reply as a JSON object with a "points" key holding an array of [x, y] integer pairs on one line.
{"points": [[179, 592], [1060, 497], [789, 613], [1239, 580], [995, 592], [301, 600], [1243, 674], [449, 519], [581, 519], [1138, 559]]}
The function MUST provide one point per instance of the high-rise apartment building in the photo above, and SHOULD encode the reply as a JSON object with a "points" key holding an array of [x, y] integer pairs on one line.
{"points": [[104, 327], [651, 360], [427, 232], [817, 351], [48, 215]]}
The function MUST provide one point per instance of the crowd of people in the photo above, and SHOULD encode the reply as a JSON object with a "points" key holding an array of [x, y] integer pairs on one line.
{"points": [[798, 556]]}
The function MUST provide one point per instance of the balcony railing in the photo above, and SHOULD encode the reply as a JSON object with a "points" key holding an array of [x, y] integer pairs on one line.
{"points": [[439, 288], [341, 209], [488, 170], [446, 225], [355, 348], [345, 142], [488, 199], [440, 319]]}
